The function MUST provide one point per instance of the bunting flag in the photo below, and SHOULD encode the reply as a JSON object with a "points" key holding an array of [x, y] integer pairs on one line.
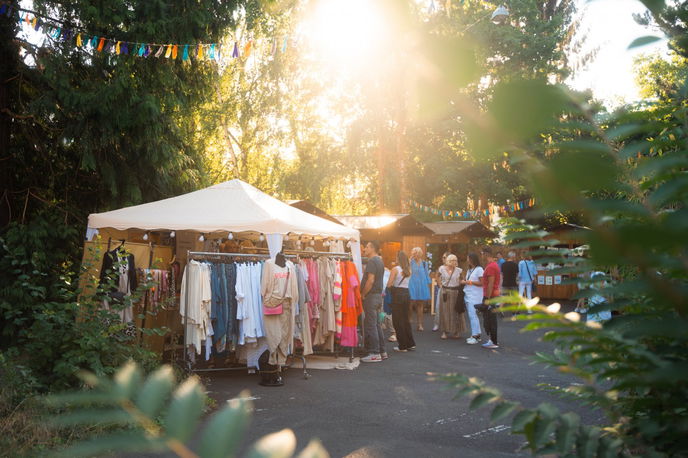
{"points": [[83, 40], [473, 214]]}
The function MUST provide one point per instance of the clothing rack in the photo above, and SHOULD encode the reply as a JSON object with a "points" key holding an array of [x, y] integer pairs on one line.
{"points": [[204, 255], [290, 254], [306, 253]]}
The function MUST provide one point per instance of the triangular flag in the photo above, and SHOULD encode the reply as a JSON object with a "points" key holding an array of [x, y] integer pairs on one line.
{"points": [[174, 52], [3, 8], [247, 49], [284, 45], [274, 47], [37, 24], [78, 40], [185, 54], [125, 49], [199, 54], [117, 48], [160, 50], [235, 51], [101, 43], [168, 52], [211, 51]]}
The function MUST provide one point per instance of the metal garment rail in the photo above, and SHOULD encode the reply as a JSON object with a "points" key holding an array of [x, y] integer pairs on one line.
{"points": [[201, 255], [308, 252]]}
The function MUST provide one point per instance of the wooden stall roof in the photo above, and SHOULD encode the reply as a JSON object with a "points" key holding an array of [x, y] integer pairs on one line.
{"points": [[568, 233], [385, 227], [463, 229], [308, 207]]}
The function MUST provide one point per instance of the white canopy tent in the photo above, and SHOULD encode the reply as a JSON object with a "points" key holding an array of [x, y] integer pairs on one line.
{"points": [[232, 206]]}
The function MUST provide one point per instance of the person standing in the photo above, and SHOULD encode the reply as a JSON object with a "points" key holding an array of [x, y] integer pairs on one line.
{"points": [[436, 320], [491, 281], [398, 284], [419, 291], [371, 293], [500, 259], [387, 323], [509, 274], [527, 272], [451, 322], [473, 295]]}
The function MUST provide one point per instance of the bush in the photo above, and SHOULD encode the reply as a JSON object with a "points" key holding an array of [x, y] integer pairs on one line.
{"points": [[48, 329], [627, 175]]}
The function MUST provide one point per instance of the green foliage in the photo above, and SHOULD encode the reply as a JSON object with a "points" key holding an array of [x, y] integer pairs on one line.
{"points": [[48, 330], [125, 401], [625, 174]]}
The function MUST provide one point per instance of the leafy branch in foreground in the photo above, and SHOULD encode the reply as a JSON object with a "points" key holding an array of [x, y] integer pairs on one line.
{"points": [[155, 415]]}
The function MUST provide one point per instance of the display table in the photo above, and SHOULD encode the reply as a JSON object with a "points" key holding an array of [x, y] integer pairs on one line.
{"points": [[554, 286]]}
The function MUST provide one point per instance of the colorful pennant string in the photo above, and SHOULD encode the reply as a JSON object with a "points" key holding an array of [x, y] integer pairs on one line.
{"points": [[472, 214], [84, 40]]}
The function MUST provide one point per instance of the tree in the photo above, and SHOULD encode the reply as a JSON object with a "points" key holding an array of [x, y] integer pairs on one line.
{"points": [[627, 174]]}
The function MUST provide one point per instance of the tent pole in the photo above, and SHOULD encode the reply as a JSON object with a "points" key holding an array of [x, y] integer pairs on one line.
{"points": [[186, 300]]}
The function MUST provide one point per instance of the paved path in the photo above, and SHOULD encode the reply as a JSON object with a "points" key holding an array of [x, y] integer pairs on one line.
{"points": [[391, 409]]}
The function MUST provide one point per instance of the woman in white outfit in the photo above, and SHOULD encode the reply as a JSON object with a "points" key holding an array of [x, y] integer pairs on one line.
{"points": [[473, 293]]}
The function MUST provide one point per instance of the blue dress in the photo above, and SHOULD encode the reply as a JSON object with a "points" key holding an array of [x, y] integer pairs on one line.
{"points": [[419, 281]]}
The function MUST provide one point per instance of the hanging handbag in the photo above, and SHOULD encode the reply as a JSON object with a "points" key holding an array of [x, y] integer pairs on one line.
{"points": [[400, 295], [460, 304], [278, 309]]}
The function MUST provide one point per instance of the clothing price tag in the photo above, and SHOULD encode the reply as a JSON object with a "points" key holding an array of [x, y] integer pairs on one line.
{"points": [[541, 280]]}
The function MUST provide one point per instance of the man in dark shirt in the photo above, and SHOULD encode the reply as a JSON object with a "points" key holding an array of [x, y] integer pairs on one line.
{"points": [[509, 275], [491, 282], [371, 292]]}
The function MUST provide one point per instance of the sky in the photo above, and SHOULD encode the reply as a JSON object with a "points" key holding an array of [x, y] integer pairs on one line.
{"points": [[611, 27]]}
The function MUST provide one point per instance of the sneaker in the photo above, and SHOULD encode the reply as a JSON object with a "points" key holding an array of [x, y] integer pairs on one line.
{"points": [[412, 348], [436, 328], [384, 356], [490, 345], [392, 338], [472, 341], [372, 358], [400, 350]]}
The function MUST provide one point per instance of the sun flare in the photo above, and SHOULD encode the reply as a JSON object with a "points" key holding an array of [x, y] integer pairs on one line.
{"points": [[347, 33]]}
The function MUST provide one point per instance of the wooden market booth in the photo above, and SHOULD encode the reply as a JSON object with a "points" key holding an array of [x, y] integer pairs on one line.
{"points": [[394, 232], [228, 217], [551, 285]]}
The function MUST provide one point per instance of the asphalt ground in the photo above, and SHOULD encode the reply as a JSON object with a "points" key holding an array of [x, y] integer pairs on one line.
{"points": [[392, 408]]}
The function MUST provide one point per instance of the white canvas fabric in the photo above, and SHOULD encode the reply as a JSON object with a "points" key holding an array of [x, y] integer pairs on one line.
{"points": [[232, 206]]}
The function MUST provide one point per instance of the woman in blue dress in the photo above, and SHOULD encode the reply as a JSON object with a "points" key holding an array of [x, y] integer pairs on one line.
{"points": [[419, 289]]}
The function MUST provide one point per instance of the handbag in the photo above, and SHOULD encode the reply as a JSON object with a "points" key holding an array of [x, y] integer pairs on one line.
{"points": [[399, 294], [459, 305], [278, 309]]}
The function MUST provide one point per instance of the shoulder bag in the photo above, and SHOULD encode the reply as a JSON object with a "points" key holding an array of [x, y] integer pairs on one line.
{"points": [[278, 309], [399, 294], [459, 303]]}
